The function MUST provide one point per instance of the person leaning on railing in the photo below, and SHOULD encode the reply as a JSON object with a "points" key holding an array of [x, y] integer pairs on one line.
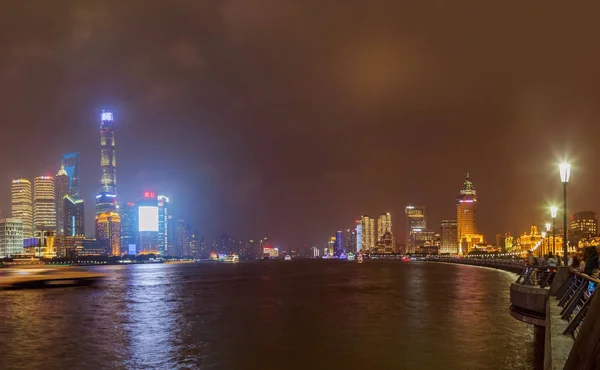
{"points": [[591, 260]]}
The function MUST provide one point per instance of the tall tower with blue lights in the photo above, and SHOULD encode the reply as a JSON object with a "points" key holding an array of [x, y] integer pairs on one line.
{"points": [[106, 197]]}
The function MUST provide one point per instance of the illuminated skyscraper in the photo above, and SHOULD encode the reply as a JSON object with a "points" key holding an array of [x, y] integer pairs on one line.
{"points": [[73, 219], [449, 237], [108, 230], [61, 189], [129, 227], [22, 205], [384, 225], [583, 225], [106, 198], [44, 206], [163, 225], [11, 237], [148, 223], [339, 243], [183, 237], [416, 223], [70, 163], [368, 240], [466, 207]]}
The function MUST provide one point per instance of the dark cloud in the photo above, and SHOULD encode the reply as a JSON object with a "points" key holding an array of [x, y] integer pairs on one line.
{"points": [[290, 118]]}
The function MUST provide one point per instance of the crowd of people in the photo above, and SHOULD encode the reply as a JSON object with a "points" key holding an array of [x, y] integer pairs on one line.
{"points": [[586, 261]]}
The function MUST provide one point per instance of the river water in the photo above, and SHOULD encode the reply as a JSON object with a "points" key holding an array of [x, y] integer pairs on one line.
{"points": [[283, 315]]}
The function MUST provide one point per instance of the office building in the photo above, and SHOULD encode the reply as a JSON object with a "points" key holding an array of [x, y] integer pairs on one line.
{"points": [[148, 225], [129, 227], [466, 212], [73, 220], [44, 206], [70, 162], [367, 231], [22, 205], [583, 225], [108, 231], [350, 240], [61, 189], [11, 237], [415, 223], [106, 198], [384, 225], [163, 225], [339, 243], [183, 238], [449, 236]]}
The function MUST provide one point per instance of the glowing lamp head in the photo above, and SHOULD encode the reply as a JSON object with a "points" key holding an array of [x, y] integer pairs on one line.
{"points": [[565, 172], [543, 234], [548, 227], [553, 211], [106, 116]]}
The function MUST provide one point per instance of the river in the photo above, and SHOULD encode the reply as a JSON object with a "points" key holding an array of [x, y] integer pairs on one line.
{"points": [[283, 315]]}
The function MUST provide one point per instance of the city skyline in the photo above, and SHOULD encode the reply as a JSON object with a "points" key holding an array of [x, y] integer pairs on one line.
{"points": [[265, 143]]}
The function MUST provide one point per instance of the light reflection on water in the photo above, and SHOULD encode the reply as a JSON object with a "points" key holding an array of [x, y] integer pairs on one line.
{"points": [[270, 315]]}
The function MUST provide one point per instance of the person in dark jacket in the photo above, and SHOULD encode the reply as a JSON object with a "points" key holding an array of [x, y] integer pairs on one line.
{"points": [[591, 261]]}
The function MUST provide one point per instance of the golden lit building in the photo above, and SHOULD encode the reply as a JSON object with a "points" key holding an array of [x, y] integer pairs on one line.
{"points": [[108, 230], [22, 205], [368, 233], [528, 241], [384, 225], [44, 207], [466, 222]]}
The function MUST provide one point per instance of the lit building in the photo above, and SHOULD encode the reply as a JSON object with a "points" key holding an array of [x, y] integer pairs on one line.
{"points": [[44, 207], [106, 198], [350, 240], [583, 225], [424, 241], [11, 237], [22, 205], [108, 231], [148, 223], [384, 225], [73, 220], [359, 239], [367, 229], [415, 223], [449, 235], [339, 243], [314, 252], [163, 225], [386, 244], [331, 246], [70, 162], [61, 189], [129, 227], [183, 238], [529, 241], [466, 207]]}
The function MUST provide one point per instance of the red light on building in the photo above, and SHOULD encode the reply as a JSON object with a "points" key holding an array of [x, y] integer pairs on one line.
{"points": [[149, 195]]}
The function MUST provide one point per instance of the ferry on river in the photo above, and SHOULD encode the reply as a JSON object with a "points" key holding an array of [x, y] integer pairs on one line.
{"points": [[359, 259], [30, 278], [232, 258], [287, 257]]}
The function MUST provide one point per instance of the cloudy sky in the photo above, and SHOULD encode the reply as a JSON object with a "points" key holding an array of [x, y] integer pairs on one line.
{"points": [[289, 119]]}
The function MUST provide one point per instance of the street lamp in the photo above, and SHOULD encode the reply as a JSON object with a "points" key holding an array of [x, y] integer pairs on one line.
{"points": [[548, 228], [554, 212], [565, 173], [541, 253]]}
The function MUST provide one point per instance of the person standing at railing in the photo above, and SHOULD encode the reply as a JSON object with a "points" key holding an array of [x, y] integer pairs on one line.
{"points": [[551, 261], [591, 260]]}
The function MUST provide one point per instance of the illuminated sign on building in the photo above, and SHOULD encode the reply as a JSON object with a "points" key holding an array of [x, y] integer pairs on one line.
{"points": [[149, 195], [148, 218], [106, 116]]}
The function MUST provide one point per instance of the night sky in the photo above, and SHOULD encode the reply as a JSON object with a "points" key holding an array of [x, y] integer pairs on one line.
{"points": [[289, 119]]}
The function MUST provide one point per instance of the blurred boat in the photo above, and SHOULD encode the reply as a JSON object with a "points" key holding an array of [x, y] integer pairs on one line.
{"points": [[288, 257], [232, 258], [35, 278]]}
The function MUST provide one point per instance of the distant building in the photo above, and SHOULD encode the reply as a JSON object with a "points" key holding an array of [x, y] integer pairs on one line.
{"points": [[182, 239], [22, 205], [108, 231], [314, 252], [61, 189], [148, 223], [368, 239], [44, 206], [106, 199], [415, 223], [70, 162], [386, 244], [466, 208], [583, 225], [129, 226], [529, 241], [331, 246], [163, 225], [350, 240], [449, 235], [11, 237], [384, 225], [73, 217], [339, 243]]}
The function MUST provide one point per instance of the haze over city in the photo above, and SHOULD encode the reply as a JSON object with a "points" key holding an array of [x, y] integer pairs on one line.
{"points": [[291, 119]]}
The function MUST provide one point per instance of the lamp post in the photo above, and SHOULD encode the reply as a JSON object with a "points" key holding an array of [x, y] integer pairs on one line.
{"points": [[565, 173], [541, 253], [548, 226], [553, 212]]}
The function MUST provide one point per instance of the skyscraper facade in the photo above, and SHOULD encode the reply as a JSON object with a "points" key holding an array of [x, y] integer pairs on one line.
{"points": [[70, 162], [22, 205], [163, 225], [148, 225], [384, 225], [339, 243], [449, 235], [61, 189], [466, 210], [44, 206], [182, 239], [368, 232], [129, 227], [359, 238], [416, 223], [106, 197], [583, 225], [11, 237], [73, 219], [108, 231]]}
